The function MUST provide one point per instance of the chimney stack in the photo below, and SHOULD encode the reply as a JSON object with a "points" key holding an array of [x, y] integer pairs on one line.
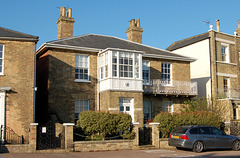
{"points": [[238, 29], [218, 25], [65, 23], [134, 32]]}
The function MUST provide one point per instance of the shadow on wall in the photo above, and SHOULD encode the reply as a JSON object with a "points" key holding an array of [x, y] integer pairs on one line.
{"points": [[57, 90], [202, 83]]}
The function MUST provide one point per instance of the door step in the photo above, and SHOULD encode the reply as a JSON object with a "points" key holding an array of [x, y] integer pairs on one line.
{"points": [[52, 151], [147, 147]]}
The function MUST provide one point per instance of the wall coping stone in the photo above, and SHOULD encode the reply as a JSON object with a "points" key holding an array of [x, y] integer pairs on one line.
{"points": [[102, 141], [135, 123], [34, 124], [68, 124], [154, 123]]}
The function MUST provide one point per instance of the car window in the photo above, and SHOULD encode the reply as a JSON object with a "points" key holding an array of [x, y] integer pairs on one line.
{"points": [[194, 131], [205, 130], [180, 129], [217, 131]]}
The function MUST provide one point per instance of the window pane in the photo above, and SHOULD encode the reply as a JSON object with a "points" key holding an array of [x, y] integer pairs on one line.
{"points": [[81, 70], [1, 48], [1, 54]]}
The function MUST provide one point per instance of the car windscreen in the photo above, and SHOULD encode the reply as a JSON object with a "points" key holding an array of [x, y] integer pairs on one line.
{"points": [[180, 129]]}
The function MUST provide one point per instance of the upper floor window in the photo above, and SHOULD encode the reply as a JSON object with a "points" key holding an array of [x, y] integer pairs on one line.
{"points": [[166, 73], [126, 64], [225, 52], [146, 72], [82, 67], [103, 62], [1, 59], [80, 106]]}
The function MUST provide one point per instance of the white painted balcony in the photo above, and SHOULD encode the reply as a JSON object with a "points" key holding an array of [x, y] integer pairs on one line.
{"points": [[157, 86]]}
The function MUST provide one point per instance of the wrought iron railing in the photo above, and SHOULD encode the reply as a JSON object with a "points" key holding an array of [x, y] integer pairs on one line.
{"points": [[157, 86], [10, 136]]}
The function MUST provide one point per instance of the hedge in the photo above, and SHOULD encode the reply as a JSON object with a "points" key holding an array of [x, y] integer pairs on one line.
{"points": [[170, 121], [95, 124]]}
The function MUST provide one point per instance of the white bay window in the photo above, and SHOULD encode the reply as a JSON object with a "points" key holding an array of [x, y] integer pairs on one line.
{"points": [[119, 69]]}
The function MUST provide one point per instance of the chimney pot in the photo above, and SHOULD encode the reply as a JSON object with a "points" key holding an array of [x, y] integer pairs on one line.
{"points": [[69, 12], [138, 22], [62, 11], [218, 25]]}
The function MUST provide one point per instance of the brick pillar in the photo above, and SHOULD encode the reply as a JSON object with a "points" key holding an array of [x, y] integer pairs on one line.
{"points": [[155, 134], [136, 130], [68, 135], [33, 137]]}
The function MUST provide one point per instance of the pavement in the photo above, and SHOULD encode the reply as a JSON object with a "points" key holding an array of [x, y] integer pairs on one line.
{"points": [[159, 153]]}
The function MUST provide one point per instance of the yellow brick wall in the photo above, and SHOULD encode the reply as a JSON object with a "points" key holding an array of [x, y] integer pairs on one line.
{"points": [[19, 75]]}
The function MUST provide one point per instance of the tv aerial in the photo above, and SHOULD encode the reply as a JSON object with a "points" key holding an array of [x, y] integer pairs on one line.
{"points": [[209, 24]]}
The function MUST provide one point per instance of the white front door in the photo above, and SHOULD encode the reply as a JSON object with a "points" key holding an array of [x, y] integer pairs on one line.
{"points": [[126, 106], [2, 114]]}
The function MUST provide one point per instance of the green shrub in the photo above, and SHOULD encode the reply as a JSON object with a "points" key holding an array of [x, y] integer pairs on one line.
{"points": [[94, 123], [170, 121]]}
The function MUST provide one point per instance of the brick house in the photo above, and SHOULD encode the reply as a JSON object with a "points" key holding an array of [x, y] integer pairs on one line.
{"points": [[17, 62], [106, 73], [216, 69]]}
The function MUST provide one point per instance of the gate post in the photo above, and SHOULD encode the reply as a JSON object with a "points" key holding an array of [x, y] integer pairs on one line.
{"points": [[33, 137], [68, 135], [155, 134], [136, 130]]}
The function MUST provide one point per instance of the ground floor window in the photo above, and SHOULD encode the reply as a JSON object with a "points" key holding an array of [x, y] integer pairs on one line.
{"points": [[80, 106], [167, 106], [147, 110]]}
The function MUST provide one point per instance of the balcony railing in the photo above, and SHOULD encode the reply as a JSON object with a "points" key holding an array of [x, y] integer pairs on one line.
{"points": [[157, 86], [228, 93]]}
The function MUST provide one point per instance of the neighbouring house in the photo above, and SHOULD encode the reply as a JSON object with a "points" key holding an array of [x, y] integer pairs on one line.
{"points": [[216, 69], [17, 71], [106, 73]]}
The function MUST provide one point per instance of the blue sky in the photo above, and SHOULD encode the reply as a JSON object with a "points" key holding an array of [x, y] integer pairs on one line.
{"points": [[163, 21]]}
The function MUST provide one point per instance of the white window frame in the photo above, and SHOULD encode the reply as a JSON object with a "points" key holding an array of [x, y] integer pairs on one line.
{"points": [[166, 105], [130, 73], [146, 67], [79, 107], [226, 52], [2, 58], [87, 67], [166, 82]]}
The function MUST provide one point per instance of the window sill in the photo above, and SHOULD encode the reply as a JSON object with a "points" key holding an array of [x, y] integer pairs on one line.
{"points": [[146, 84], [86, 81], [224, 62], [167, 85]]}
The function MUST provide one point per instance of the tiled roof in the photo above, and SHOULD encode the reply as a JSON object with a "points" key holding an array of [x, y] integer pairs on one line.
{"points": [[188, 41], [101, 42], [10, 35]]}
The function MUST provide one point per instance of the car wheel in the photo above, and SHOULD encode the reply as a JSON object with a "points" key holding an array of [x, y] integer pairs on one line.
{"points": [[198, 146], [236, 145]]}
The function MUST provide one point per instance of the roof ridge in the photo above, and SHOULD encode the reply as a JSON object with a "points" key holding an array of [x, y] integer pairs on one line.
{"points": [[17, 32], [112, 37]]}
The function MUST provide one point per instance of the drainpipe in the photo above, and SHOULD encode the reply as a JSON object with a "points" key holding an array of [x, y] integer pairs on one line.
{"points": [[35, 88], [98, 86]]}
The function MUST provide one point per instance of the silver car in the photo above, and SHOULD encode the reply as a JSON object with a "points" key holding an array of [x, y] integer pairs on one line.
{"points": [[199, 138]]}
